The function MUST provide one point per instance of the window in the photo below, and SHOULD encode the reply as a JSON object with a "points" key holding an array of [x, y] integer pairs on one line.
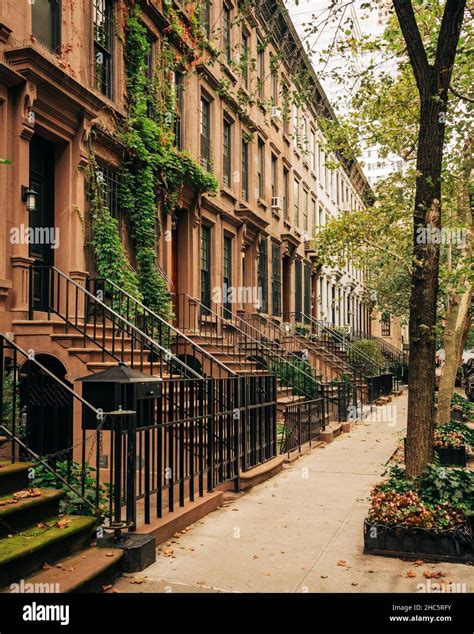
{"points": [[286, 109], [307, 290], [276, 280], [244, 61], [262, 276], [261, 169], [305, 209], [205, 134], [274, 82], [322, 166], [385, 325], [296, 202], [205, 267], [312, 147], [315, 214], [274, 176], [178, 116], [46, 22], [227, 150], [295, 117], [103, 46], [226, 32], [261, 70], [206, 17], [108, 178], [227, 277], [245, 169], [286, 193], [298, 290]]}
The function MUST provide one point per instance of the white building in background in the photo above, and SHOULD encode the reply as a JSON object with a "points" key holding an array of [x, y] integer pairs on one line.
{"points": [[340, 292], [319, 33]]}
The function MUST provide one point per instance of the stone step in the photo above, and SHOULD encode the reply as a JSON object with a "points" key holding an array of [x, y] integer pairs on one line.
{"points": [[26, 552], [14, 476], [85, 571], [17, 512]]}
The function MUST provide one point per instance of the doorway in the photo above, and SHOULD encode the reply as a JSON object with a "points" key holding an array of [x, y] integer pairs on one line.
{"points": [[41, 221], [286, 286], [47, 407]]}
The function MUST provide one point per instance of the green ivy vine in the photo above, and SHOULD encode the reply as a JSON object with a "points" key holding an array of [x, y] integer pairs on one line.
{"points": [[153, 171], [110, 256]]}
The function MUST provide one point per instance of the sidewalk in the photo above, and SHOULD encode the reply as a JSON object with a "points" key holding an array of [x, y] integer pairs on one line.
{"points": [[301, 531]]}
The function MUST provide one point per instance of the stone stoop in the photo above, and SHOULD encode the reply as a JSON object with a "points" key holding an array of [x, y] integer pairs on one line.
{"points": [[39, 545]]}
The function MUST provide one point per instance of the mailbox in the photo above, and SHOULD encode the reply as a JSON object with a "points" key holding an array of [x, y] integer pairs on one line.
{"points": [[121, 387]]}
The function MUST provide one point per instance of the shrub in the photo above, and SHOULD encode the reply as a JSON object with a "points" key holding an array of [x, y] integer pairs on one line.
{"points": [[72, 504], [366, 357], [409, 510], [297, 374]]}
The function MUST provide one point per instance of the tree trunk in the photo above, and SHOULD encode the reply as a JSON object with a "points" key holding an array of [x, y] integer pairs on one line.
{"points": [[433, 82], [458, 314], [458, 318], [424, 295]]}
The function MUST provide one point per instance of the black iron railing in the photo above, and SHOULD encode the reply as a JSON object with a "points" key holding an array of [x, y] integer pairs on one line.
{"points": [[126, 469], [303, 422], [157, 329], [363, 369], [34, 408], [241, 343], [100, 324]]}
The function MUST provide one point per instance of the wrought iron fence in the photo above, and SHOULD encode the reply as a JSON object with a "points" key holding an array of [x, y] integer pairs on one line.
{"points": [[303, 422]]}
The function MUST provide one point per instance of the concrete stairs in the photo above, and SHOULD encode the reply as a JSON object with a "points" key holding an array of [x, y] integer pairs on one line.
{"points": [[40, 545]]}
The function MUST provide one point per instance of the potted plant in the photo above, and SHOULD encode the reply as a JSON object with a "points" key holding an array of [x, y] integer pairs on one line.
{"points": [[423, 519]]}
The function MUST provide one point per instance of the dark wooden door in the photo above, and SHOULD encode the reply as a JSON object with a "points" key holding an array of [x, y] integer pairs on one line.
{"points": [[41, 221]]}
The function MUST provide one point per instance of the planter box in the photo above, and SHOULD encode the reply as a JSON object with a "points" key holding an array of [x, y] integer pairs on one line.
{"points": [[448, 456], [452, 456], [455, 545]]}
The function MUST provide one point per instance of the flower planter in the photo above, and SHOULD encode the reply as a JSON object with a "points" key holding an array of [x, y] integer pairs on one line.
{"points": [[448, 456], [451, 456], [455, 545]]}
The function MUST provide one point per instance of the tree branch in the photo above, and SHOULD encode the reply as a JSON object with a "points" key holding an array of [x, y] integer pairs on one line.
{"points": [[448, 38], [416, 50], [460, 96]]}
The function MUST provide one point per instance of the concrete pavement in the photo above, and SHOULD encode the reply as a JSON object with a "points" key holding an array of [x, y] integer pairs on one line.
{"points": [[301, 531]]}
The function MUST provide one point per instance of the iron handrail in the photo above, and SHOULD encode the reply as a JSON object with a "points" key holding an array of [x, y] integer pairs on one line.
{"points": [[99, 414], [154, 316], [287, 331], [340, 338], [259, 345], [115, 318]]}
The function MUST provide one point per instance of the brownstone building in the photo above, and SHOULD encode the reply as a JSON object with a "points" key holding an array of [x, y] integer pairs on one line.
{"points": [[62, 72]]}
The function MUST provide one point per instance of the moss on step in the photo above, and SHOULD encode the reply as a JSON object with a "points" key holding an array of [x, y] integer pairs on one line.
{"points": [[9, 468], [34, 539], [46, 495]]}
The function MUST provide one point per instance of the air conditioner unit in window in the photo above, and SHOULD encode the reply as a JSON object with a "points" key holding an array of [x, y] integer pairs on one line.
{"points": [[277, 203], [276, 113]]}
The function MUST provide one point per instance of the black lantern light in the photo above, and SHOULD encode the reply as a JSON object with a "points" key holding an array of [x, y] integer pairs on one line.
{"points": [[29, 196]]}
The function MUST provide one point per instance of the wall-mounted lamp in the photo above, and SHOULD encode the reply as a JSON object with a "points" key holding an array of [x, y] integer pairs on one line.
{"points": [[29, 196]]}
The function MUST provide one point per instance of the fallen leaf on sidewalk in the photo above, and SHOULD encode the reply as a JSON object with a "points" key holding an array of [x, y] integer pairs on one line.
{"points": [[168, 552], [342, 563], [324, 576], [201, 583], [255, 556], [46, 566], [354, 583], [433, 575], [138, 580], [109, 554], [411, 574], [105, 588], [418, 562]]}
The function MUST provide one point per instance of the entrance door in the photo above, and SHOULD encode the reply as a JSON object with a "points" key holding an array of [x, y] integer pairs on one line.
{"points": [[42, 220], [286, 286], [47, 406]]}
